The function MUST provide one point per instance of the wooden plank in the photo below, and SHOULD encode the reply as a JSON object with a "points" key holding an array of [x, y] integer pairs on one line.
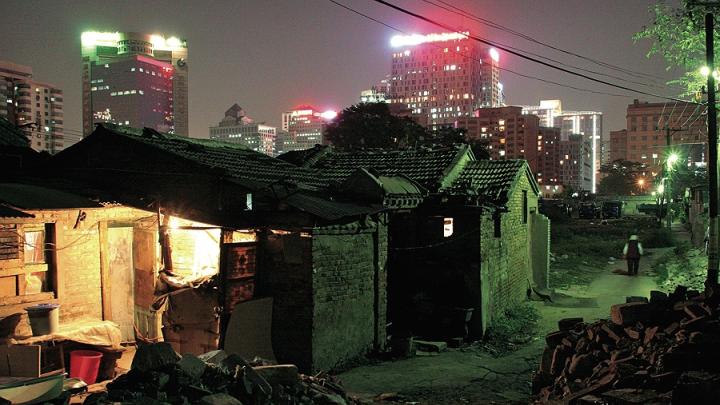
{"points": [[21, 279], [104, 271], [6, 310], [24, 269], [44, 296], [20, 361], [8, 287]]}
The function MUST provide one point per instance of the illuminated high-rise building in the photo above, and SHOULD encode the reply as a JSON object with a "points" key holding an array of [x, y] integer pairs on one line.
{"points": [[35, 107], [306, 126], [586, 123], [443, 77], [379, 93], [236, 127], [135, 79]]}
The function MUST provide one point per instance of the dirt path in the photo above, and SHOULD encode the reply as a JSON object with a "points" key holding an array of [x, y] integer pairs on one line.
{"points": [[471, 376]]}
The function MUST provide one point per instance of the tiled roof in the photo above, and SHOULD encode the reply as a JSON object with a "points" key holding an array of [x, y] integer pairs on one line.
{"points": [[10, 135], [237, 161], [25, 196], [327, 209], [492, 179], [425, 166]]}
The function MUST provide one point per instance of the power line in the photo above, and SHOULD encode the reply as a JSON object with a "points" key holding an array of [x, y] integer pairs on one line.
{"points": [[475, 59], [536, 54], [500, 27], [520, 55]]}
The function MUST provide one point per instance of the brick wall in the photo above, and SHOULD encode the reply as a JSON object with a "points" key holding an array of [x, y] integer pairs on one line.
{"points": [[78, 283], [285, 273], [348, 267], [508, 257]]}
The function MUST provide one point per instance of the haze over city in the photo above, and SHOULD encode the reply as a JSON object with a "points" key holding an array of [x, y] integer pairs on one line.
{"points": [[269, 56]]}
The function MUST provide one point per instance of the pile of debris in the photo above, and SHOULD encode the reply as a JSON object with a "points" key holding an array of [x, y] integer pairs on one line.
{"points": [[662, 350], [160, 376]]}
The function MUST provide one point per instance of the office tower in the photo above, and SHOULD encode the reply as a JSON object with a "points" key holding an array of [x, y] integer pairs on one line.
{"points": [[306, 125], [444, 77], [236, 127], [135, 79]]}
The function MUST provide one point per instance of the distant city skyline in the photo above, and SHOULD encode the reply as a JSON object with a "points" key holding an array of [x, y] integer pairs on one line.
{"points": [[324, 55]]}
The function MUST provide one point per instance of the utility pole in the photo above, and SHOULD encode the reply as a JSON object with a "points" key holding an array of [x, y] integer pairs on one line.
{"points": [[712, 274]]}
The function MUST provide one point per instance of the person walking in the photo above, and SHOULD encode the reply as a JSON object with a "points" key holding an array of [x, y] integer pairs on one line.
{"points": [[632, 251]]}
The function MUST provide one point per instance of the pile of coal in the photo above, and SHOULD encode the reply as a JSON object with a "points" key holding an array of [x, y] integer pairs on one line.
{"points": [[661, 350], [160, 376]]}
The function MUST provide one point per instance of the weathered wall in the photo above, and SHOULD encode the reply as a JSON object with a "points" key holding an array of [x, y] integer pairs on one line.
{"points": [[77, 279], [509, 255], [349, 283], [430, 274], [285, 273], [540, 249]]}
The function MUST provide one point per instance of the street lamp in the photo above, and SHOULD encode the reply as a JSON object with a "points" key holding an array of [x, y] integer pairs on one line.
{"points": [[641, 184]]}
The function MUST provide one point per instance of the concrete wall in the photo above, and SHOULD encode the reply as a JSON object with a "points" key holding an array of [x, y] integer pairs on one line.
{"points": [[540, 249]]}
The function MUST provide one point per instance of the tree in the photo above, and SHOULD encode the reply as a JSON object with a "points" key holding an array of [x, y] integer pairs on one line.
{"points": [[678, 35], [372, 126], [621, 178], [447, 136]]}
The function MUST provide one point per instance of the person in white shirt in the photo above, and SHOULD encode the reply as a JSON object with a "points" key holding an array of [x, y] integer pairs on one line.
{"points": [[632, 251]]}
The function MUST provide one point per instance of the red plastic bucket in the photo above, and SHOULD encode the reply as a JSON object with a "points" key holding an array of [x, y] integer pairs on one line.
{"points": [[84, 364]]}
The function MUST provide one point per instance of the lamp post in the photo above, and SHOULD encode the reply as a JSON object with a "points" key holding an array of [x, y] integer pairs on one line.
{"points": [[641, 184], [671, 160]]}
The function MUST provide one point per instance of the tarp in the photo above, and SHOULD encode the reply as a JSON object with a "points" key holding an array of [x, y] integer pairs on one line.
{"points": [[97, 333]]}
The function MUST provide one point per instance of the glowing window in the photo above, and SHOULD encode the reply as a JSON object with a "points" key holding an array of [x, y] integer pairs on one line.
{"points": [[447, 227]]}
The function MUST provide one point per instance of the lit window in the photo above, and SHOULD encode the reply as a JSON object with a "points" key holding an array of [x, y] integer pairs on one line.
{"points": [[35, 247], [141, 69], [447, 227], [132, 69]]}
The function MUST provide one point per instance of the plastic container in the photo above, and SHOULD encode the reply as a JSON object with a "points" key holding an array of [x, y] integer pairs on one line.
{"points": [[84, 364], [44, 318]]}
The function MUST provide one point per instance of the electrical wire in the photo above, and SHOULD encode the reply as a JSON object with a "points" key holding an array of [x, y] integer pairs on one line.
{"points": [[521, 55], [475, 59], [526, 37], [500, 27]]}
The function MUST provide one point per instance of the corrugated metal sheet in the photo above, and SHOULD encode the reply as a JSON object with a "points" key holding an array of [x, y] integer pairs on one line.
{"points": [[9, 212]]}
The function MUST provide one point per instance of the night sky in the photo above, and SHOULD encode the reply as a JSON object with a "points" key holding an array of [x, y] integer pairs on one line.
{"points": [[270, 55]]}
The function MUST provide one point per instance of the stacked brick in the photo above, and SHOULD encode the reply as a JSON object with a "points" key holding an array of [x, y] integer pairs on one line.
{"points": [[662, 350]]}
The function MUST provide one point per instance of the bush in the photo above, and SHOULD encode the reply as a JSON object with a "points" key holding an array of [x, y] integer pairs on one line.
{"points": [[508, 327], [657, 238]]}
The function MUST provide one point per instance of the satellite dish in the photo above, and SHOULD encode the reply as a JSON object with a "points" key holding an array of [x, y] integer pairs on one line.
{"points": [[181, 62]]}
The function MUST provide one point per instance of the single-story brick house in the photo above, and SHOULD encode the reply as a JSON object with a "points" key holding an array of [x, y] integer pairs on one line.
{"points": [[319, 253], [476, 241]]}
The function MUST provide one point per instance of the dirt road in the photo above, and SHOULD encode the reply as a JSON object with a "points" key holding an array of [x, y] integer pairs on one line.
{"points": [[471, 376]]}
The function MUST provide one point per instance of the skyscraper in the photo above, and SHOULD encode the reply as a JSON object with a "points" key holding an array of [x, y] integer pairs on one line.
{"points": [[236, 127], [442, 77], [135, 79], [35, 107], [306, 126], [586, 123]]}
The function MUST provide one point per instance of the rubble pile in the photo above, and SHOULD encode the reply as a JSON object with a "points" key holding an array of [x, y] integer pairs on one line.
{"points": [[160, 376], [658, 351]]}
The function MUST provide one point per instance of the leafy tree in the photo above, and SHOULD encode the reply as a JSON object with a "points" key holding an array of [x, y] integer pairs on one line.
{"points": [[446, 136], [621, 178], [372, 126], [678, 35]]}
